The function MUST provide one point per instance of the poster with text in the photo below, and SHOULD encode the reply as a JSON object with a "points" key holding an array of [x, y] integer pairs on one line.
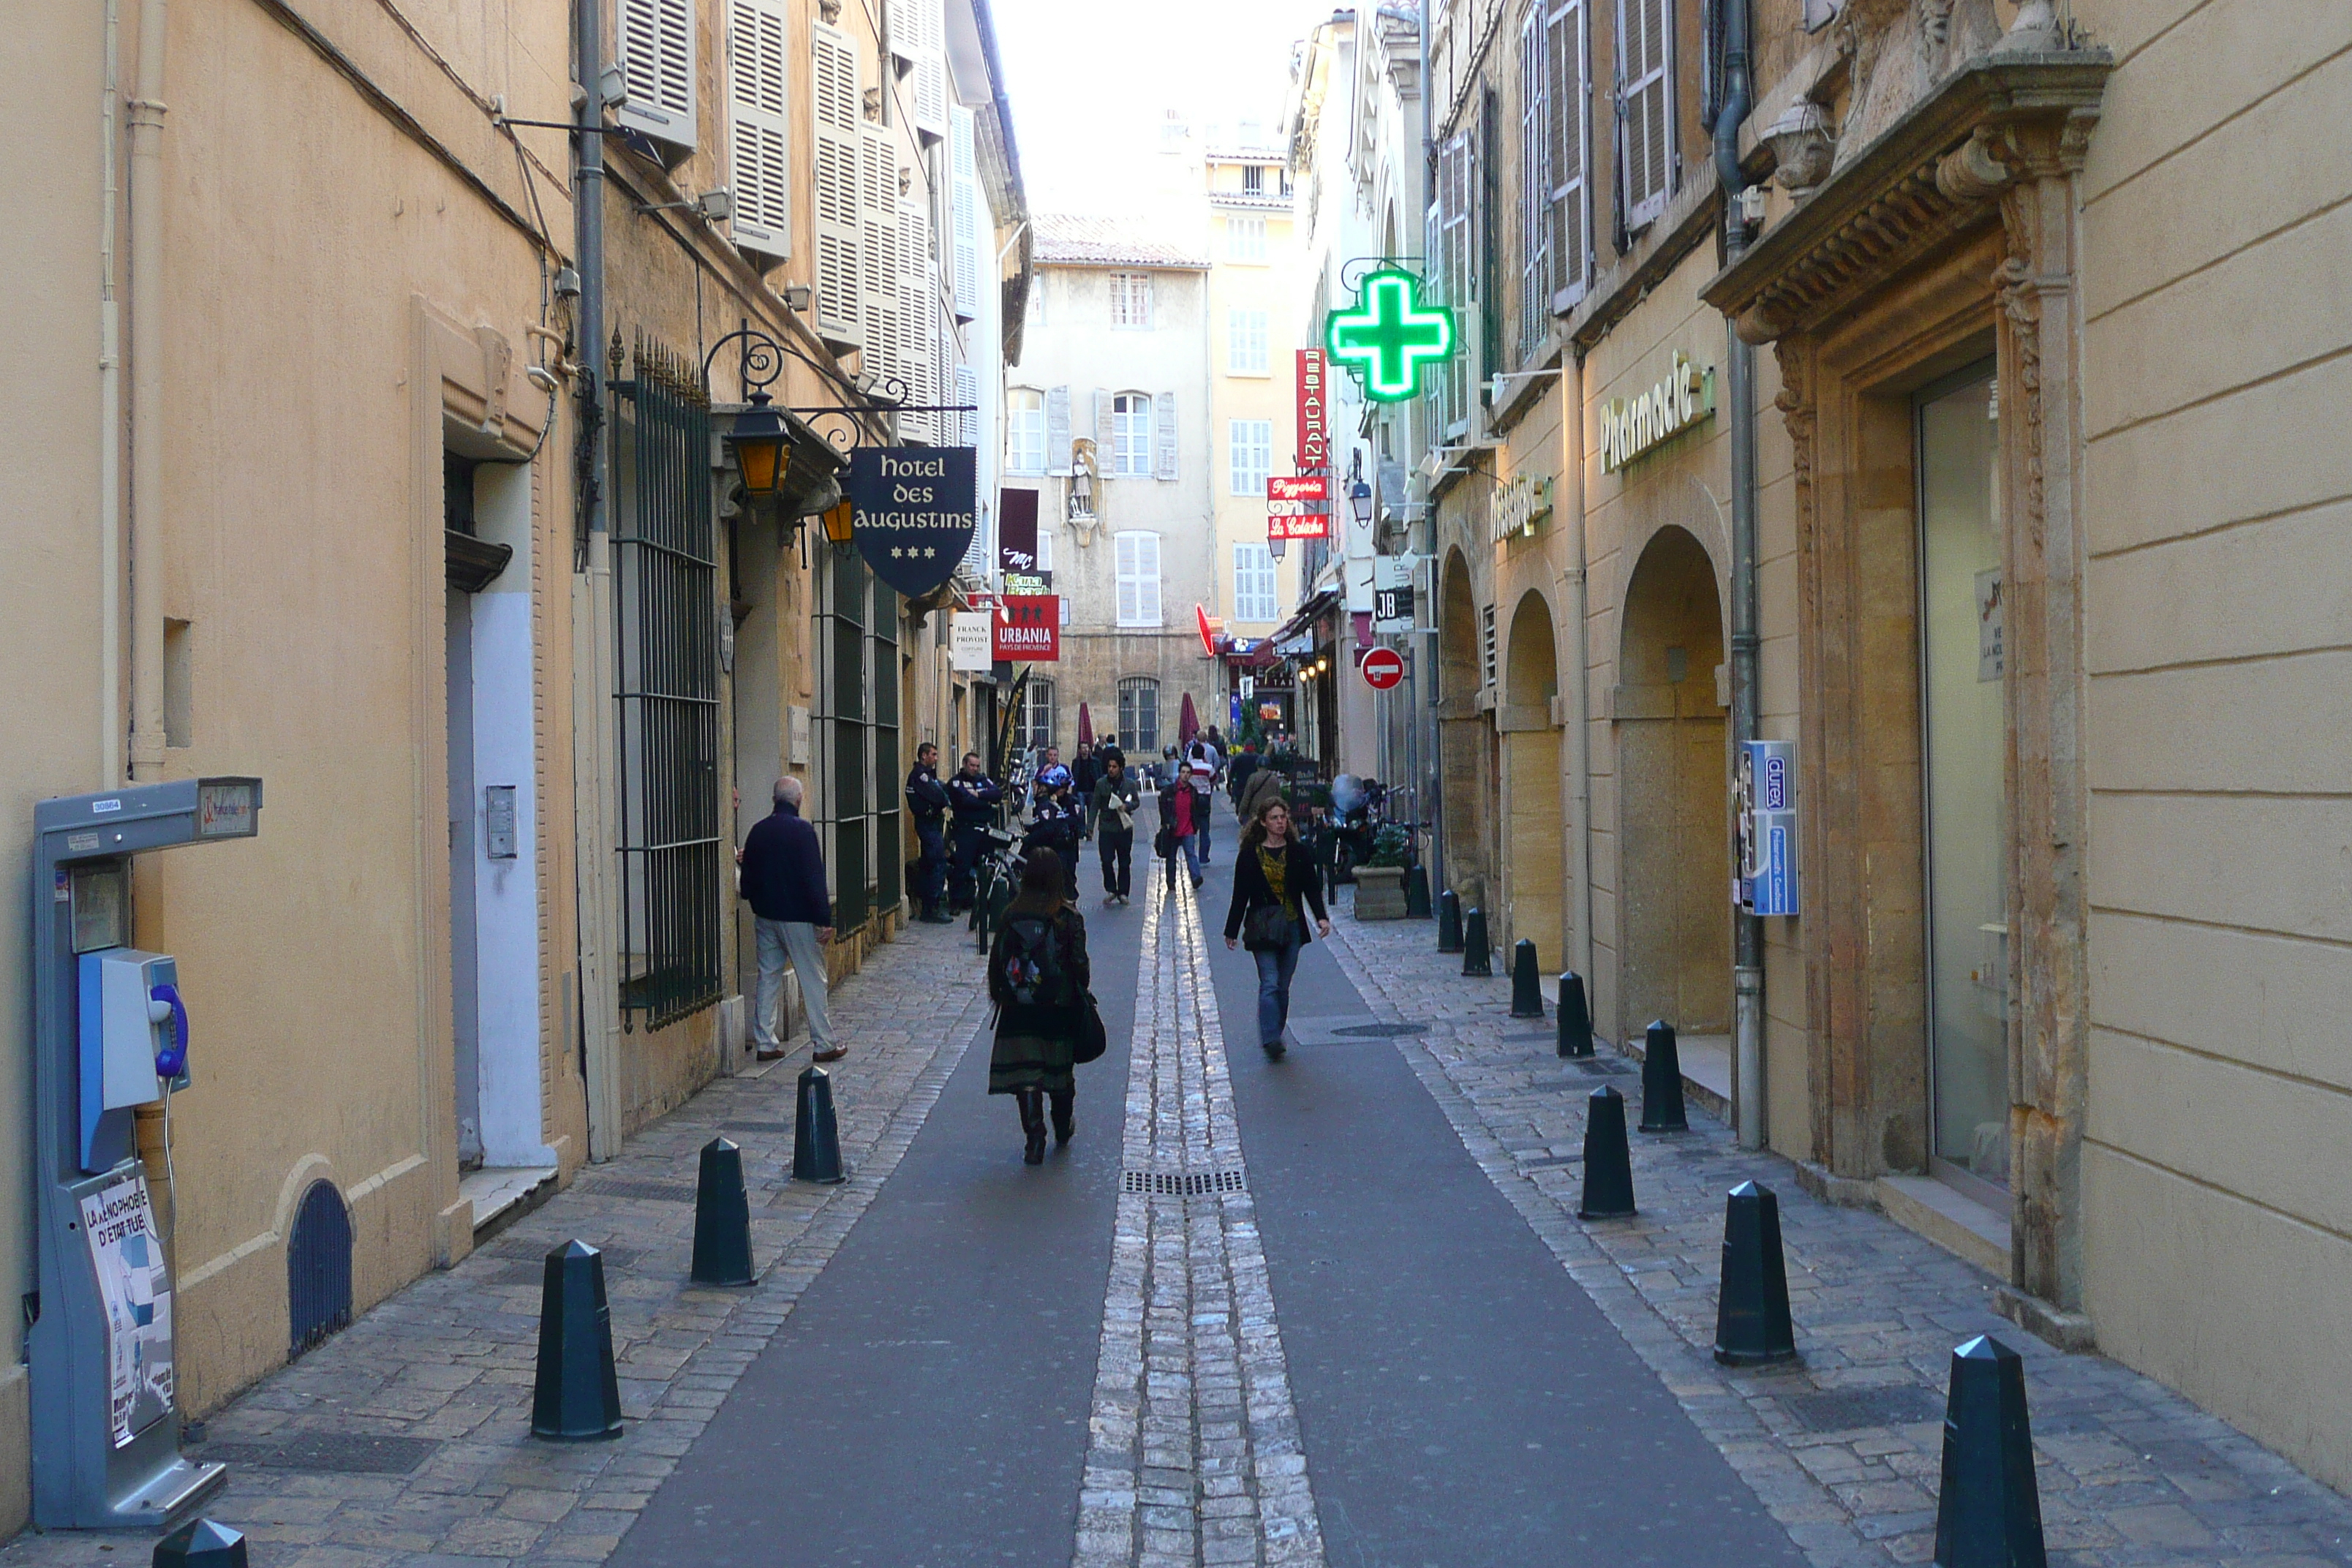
{"points": [[119, 1223]]}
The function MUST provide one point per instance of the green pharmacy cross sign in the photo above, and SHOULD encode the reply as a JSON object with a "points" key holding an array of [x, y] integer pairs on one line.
{"points": [[1389, 335]]}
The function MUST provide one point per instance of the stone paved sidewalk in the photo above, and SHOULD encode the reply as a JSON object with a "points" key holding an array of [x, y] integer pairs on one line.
{"points": [[405, 1439], [1844, 1447]]}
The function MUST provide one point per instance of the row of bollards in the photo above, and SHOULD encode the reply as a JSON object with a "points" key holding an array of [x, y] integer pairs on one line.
{"points": [[576, 1395]]}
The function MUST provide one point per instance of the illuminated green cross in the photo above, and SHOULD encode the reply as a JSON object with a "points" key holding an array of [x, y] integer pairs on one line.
{"points": [[1388, 335]]}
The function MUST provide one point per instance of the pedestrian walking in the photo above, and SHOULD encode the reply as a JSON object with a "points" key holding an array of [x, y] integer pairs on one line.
{"points": [[1202, 780], [1086, 772], [1054, 823], [1178, 830], [927, 802], [1274, 876], [1265, 784], [783, 882], [972, 800], [1117, 800], [1238, 772], [1038, 976]]}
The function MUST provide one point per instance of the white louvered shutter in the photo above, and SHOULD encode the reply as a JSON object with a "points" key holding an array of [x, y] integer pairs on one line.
{"points": [[881, 261], [1535, 181], [967, 396], [1645, 98], [964, 191], [1455, 176], [656, 56], [837, 117], [1107, 453], [1163, 436], [1569, 89], [758, 58], [1057, 431], [918, 312], [919, 36]]}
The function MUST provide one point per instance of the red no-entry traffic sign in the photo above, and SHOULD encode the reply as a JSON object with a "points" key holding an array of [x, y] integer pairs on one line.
{"points": [[1384, 668]]}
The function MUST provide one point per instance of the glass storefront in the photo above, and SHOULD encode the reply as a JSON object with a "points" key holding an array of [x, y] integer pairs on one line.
{"points": [[1965, 744]]}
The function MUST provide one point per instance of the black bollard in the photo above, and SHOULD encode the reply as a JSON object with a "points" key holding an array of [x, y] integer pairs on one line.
{"points": [[1989, 1511], [1751, 1302], [1416, 893], [577, 1397], [1526, 985], [1449, 922], [1661, 1082], [1608, 1163], [816, 1137], [201, 1544], [1477, 957], [1575, 1017], [722, 1217]]}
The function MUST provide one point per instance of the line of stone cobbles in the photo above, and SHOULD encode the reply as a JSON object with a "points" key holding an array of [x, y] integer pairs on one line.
{"points": [[2132, 1475], [447, 1361]]}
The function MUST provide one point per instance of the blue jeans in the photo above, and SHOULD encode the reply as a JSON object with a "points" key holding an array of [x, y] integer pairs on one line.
{"points": [[1274, 968], [1191, 843]]}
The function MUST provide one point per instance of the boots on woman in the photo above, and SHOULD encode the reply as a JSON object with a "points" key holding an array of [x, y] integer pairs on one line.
{"points": [[1065, 1114], [1032, 1102]]}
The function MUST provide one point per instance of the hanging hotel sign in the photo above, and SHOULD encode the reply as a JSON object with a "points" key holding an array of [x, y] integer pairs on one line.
{"points": [[1629, 428], [917, 508], [1314, 423], [1523, 501], [1389, 335], [1029, 628]]}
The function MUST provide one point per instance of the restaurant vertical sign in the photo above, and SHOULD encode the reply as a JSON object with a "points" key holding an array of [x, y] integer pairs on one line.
{"points": [[1314, 421]]}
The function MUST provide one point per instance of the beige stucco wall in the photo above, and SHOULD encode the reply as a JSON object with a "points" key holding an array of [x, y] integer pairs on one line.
{"points": [[1274, 287], [2218, 487]]}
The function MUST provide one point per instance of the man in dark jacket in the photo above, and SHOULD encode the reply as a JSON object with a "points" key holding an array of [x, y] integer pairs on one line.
{"points": [[927, 802], [973, 797], [1238, 771], [1117, 800], [1086, 771], [783, 882]]}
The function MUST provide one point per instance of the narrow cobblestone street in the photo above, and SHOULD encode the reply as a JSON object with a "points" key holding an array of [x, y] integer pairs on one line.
{"points": [[1336, 1309]]}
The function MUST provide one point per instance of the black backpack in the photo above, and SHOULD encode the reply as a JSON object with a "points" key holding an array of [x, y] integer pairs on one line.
{"points": [[1032, 962]]}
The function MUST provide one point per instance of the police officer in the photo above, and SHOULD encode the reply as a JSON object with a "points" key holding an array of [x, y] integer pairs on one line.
{"points": [[1055, 823], [927, 799], [972, 798]]}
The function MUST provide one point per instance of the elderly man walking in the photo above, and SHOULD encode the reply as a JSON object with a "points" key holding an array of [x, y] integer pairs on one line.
{"points": [[783, 880]]}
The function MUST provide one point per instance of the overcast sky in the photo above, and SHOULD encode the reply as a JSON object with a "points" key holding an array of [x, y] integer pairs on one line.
{"points": [[1091, 80]]}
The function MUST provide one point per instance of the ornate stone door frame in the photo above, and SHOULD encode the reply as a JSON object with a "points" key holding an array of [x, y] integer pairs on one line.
{"points": [[1957, 223]]}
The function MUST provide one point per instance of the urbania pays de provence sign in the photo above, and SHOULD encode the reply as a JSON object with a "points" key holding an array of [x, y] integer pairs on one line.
{"points": [[1629, 428]]}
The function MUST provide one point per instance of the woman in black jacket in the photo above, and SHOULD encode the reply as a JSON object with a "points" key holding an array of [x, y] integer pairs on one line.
{"points": [[1275, 873], [1039, 977]]}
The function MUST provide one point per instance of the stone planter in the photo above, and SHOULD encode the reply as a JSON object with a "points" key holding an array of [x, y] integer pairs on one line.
{"points": [[1379, 892]]}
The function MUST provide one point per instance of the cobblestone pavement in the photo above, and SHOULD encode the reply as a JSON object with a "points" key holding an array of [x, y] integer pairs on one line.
{"points": [[1194, 1455], [1843, 1449], [405, 1439]]}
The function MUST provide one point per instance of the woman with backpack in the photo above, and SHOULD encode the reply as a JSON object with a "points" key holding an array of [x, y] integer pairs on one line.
{"points": [[1273, 876], [1038, 976]]}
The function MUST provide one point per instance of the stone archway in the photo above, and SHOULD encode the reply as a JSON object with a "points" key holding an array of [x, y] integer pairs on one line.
{"points": [[1534, 871], [1462, 734], [1673, 873]]}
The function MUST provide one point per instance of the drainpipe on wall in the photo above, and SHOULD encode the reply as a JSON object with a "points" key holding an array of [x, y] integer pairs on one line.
{"points": [[1748, 958], [1431, 643], [147, 398], [1579, 714], [600, 980], [111, 433]]}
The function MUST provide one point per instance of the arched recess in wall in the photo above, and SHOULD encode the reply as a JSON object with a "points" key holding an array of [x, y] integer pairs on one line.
{"points": [[1530, 741], [1674, 875], [317, 1267], [1460, 732]]}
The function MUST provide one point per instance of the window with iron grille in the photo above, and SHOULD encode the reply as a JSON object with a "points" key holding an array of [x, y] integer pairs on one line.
{"points": [[1487, 645], [844, 734], [885, 849], [666, 609], [1138, 717], [1254, 179], [1130, 299], [1037, 716]]}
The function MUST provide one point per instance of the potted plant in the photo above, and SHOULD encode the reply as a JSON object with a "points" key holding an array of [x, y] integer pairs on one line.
{"points": [[1379, 881]]}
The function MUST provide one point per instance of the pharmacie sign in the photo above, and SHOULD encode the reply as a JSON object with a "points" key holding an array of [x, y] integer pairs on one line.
{"points": [[1631, 428], [917, 508]]}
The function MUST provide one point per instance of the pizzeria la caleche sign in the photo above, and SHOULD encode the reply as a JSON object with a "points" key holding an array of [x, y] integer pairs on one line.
{"points": [[1631, 426]]}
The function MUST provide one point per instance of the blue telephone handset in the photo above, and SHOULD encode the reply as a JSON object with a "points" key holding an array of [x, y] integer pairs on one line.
{"points": [[173, 1060]]}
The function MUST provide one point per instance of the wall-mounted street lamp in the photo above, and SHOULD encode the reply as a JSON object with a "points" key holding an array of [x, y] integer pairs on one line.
{"points": [[1359, 499], [758, 442], [838, 524]]}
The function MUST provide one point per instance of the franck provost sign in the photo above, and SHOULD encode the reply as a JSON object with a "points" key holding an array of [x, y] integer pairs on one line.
{"points": [[1629, 428]]}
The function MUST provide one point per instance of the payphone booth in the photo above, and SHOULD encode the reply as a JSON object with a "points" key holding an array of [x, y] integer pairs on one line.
{"points": [[110, 1034]]}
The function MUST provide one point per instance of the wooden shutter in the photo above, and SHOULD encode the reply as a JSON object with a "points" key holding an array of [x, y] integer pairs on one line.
{"points": [[1057, 431], [1163, 436], [967, 396], [919, 36], [1129, 592], [1106, 455], [1535, 181], [656, 56], [1646, 101], [1147, 556], [882, 260], [1568, 154], [965, 187], [760, 133], [1455, 172], [918, 312], [838, 118]]}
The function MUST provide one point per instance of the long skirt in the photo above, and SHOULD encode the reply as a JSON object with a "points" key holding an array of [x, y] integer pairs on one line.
{"points": [[1027, 1060]]}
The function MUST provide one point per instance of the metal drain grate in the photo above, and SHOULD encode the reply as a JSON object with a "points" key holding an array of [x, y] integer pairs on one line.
{"points": [[1600, 1067], [1844, 1409], [1380, 1031], [650, 1192], [1184, 1184], [755, 1127], [338, 1453]]}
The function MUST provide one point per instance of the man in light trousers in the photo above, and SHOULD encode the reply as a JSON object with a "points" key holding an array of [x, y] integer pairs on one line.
{"points": [[783, 882]]}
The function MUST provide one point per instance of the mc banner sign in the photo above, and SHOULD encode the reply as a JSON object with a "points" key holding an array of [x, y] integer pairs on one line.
{"points": [[916, 510]]}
